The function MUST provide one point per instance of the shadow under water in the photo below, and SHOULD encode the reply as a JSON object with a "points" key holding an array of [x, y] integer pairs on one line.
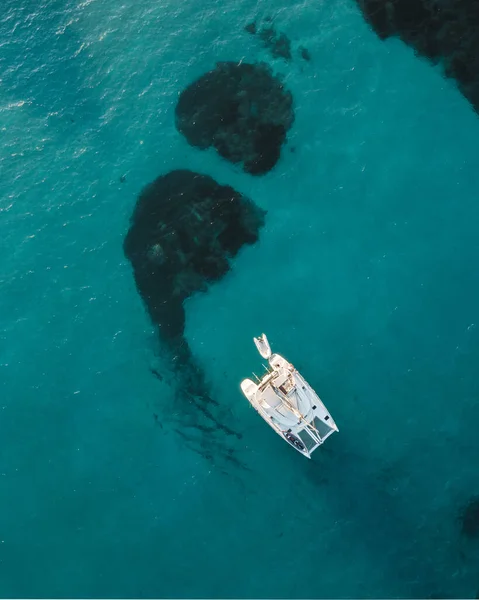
{"points": [[403, 544]]}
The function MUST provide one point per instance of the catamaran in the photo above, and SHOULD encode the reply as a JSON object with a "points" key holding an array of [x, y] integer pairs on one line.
{"points": [[288, 403]]}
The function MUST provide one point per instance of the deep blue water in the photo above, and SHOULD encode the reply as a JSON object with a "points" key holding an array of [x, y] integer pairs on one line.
{"points": [[365, 277]]}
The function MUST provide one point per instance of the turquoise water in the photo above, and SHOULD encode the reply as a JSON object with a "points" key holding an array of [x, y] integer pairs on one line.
{"points": [[372, 234]]}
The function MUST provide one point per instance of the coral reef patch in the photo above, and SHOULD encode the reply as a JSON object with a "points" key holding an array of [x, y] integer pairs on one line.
{"points": [[469, 518], [185, 230], [304, 53], [445, 32], [242, 110], [278, 43]]}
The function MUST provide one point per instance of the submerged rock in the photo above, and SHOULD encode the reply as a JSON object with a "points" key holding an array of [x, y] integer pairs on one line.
{"points": [[469, 518], [444, 32], [278, 43], [305, 53], [242, 110], [184, 231]]}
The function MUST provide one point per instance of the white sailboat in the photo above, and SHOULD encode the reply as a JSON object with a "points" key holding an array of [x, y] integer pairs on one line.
{"points": [[288, 403]]}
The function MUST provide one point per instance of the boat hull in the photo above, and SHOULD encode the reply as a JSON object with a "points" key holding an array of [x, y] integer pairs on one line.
{"points": [[290, 406]]}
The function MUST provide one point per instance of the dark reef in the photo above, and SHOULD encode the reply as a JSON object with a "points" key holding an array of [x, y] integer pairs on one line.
{"points": [[278, 44], [305, 53], [469, 518], [185, 230], [240, 109], [444, 31]]}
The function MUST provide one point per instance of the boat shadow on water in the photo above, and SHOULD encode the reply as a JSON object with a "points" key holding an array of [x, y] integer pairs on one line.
{"points": [[367, 503]]}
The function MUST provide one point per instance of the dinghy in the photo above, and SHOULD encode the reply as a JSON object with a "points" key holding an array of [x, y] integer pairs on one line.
{"points": [[288, 403]]}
